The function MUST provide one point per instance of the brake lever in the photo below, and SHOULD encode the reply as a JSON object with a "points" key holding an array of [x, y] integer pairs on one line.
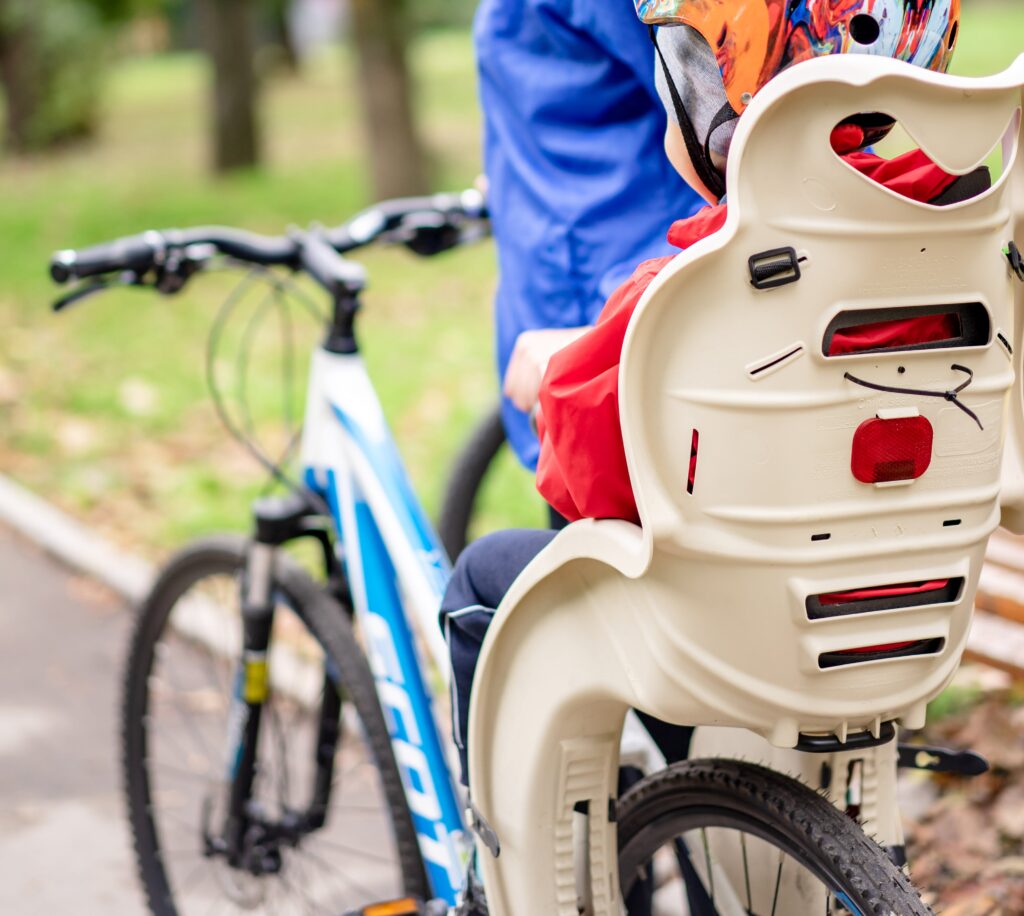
{"points": [[79, 293], [426, 233], [94, 286], [173, 274]]}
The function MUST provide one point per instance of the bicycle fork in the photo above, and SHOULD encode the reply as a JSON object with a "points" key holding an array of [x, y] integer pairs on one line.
{"points": [[250, 693], [249, 839]]}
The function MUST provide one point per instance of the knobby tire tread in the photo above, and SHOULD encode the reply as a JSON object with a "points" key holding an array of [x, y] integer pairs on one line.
{"points": [[329, 623], [823, 833]]}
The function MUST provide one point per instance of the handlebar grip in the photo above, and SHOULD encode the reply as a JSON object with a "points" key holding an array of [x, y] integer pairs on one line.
{"points": [[471, 204], [136, 252]]}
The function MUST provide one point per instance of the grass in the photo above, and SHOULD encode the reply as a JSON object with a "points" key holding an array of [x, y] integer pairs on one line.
{"points": [[104, 409]]}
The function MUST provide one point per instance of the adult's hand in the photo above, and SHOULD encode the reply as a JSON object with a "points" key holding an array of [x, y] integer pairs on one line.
{"points": [[530, 357]]}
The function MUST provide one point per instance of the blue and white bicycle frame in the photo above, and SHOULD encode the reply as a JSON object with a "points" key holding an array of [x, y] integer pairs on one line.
{"points": [[397, 572]]}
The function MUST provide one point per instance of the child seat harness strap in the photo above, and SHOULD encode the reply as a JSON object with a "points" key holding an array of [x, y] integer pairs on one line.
{"points": [[700, 155]]}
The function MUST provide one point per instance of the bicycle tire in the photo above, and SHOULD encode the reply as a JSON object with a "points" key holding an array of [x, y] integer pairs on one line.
{"points": [[467, 477], [329, 624], [769, 805]]}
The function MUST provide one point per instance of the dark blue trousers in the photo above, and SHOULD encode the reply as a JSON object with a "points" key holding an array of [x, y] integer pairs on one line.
{"points": [[483, 574]]}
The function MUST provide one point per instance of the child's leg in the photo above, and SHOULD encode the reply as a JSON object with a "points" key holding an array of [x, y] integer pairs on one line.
{"points": [[483, 574]]}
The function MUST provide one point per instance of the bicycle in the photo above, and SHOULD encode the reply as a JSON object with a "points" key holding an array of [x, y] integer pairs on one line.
{"points": [[383, 572], [355, 502], [250, 826]]}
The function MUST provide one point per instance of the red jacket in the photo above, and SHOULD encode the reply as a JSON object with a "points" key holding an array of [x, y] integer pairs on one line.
{"points": [[582, 468]]}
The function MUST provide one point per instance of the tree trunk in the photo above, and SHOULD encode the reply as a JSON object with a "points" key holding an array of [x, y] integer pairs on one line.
{"points": [[19, 73], [228, 34], [398, 163]]}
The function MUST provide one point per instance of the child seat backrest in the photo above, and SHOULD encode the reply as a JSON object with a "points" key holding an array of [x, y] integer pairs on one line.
{"points": [[792, 515], [741, 432], [817, 518]]}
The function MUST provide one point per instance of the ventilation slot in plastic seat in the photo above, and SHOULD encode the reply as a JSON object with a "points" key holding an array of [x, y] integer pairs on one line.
{"points": [[894, 330], [691, 475], [878, 653], [883, 598]]}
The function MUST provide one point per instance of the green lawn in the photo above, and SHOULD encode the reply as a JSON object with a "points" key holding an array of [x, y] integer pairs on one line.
{"points": [[104, 409]]}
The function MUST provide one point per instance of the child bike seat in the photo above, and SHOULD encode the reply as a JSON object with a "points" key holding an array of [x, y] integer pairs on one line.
{"points": [[814, 517]]}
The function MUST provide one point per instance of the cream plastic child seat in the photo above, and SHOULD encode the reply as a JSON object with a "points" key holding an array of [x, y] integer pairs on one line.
{"points": [[791, 513]]}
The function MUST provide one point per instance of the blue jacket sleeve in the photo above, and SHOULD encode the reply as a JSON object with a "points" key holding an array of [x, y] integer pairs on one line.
{"points": [[581, 191]]}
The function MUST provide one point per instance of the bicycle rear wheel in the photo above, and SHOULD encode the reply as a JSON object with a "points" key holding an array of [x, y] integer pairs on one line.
{"points": [[471, 467], [728, 838], [175, 730]]}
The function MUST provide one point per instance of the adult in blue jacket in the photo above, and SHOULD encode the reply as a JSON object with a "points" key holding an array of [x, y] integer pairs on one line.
{"points": [[580, 190]]}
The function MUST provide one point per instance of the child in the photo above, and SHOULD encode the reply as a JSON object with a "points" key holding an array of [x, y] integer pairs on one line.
{"points": [[703, 81]]}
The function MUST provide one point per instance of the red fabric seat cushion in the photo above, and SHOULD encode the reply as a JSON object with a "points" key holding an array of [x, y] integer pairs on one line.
{"points": [[887, 335]]}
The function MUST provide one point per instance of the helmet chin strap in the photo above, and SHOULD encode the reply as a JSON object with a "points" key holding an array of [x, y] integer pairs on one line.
{"points": [[700, 154]]}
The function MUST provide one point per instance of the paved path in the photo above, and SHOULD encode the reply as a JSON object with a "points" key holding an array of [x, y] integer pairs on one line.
{"points": [[63, 839], [64, 845]]}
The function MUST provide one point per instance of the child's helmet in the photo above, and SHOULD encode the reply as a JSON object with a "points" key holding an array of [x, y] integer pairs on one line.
{"points": [[755, 39]]}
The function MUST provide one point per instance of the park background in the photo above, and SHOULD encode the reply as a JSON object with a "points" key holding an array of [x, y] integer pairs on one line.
{"points": [[124, 115], [104, 408]]}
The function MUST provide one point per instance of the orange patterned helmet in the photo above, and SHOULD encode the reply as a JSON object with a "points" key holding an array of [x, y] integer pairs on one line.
{"points": [[755, 39]]}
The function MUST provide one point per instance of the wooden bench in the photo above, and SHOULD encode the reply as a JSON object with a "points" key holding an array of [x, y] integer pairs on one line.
{"points": [[997, 632]]}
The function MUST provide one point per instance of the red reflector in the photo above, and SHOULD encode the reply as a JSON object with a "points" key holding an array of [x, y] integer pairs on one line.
{"points": [[886, 450]]}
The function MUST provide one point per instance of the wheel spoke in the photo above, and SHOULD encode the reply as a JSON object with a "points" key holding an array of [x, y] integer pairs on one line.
{"points": [[200, 869], [343, 875], [707, 861], [746, 871], [778, 881], [698, 901], [187, 720], [352, 851]]}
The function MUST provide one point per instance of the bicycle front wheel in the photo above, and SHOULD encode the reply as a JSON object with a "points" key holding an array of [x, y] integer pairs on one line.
{"points": [[176, 726], [728, 838]]}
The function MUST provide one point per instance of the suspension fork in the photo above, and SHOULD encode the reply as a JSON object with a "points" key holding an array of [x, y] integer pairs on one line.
{"points": [[278, 520], [250, 693]]}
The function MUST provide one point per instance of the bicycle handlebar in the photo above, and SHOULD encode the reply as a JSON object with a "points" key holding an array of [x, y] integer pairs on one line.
{"points": [[431, 224], [321, 260], [140, 253], [131, 253]]}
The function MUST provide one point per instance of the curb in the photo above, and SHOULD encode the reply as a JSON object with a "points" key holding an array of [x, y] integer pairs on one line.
{"points": [[73, 543], [78, 547]]}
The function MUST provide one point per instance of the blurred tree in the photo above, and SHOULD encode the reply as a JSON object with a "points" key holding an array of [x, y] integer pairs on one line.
{"points": [[51, 67], [280, 29], [119, 10], [228, 34], [398, 163]]}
